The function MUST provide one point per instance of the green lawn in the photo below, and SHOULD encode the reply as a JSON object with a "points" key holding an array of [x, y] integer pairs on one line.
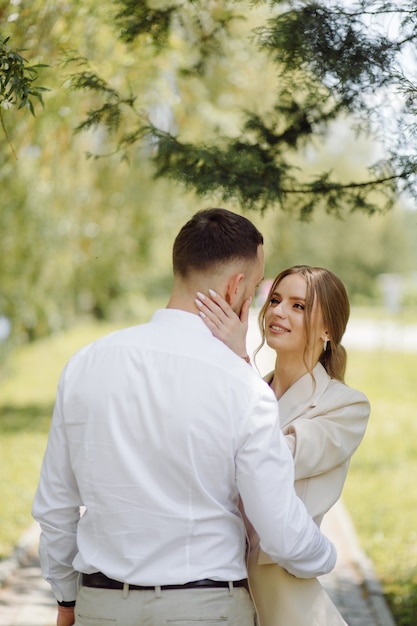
{"points": [[27, 390], [380, 493]]}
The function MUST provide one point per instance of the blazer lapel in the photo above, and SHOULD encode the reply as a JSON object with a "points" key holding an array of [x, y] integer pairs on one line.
{"points": [[302, 395]]}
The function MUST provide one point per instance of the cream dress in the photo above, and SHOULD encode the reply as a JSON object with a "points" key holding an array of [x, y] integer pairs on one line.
{"points": [[323, 424]]}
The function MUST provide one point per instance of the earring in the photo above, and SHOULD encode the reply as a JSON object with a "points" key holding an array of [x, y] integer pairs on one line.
{"points": [[325, 342]]}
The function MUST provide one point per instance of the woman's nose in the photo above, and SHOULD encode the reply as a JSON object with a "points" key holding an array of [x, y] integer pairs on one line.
{"points": [[279, 310]]}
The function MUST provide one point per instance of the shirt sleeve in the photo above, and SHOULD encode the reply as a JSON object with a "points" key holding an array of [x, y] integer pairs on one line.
{"points": [[265, 477], [327, 439], [56, 507]]}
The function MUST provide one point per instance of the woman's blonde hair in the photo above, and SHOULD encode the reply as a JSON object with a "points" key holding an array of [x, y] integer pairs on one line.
{"points": [[330, 294]]}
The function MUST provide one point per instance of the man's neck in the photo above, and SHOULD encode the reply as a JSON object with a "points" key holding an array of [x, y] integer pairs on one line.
{"points": [[184, 292], [183, 304]]}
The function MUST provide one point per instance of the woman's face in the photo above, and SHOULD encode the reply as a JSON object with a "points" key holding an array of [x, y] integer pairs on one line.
{"points": [[284, 317]]}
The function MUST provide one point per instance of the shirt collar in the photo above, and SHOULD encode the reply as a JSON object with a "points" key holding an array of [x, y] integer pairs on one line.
{"points": [[180, 319]]}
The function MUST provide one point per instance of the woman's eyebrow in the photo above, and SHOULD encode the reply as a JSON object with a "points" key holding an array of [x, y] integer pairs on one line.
{"points": [[276, 293]]}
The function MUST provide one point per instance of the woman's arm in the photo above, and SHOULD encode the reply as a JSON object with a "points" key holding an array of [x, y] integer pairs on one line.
{"points": [[329, 433]]}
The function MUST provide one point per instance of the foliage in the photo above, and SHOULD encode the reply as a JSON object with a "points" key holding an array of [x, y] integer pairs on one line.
{"points": [[140, 19], [77, 237], [17, 82], [358, 250], [93, 236], [17, 79], [330, 60]]}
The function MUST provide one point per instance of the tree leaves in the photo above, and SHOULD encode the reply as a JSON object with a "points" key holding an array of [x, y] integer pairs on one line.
{"points": [[331, 60], [17, 79], [17, 82]]}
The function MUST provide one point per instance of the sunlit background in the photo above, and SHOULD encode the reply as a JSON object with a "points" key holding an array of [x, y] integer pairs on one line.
{"points": [[86, 247]]}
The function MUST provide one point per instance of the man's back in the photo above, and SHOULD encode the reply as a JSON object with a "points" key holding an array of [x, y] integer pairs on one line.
{"points": [[154, 456]]}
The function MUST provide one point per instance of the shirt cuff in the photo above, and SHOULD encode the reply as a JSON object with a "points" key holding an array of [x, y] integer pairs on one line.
{"points": [[64, 591], [66, 604]]}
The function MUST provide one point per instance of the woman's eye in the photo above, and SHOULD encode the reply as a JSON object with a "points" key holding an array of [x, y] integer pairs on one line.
{"points": [[274, 301], [299, 306]]}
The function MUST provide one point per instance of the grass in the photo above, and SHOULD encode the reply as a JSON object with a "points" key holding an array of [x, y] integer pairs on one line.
{"points": [[27, 392], [380, 492]]}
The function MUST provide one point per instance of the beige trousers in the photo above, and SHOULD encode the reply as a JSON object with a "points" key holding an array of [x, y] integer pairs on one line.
{"points": [[185, 607]]}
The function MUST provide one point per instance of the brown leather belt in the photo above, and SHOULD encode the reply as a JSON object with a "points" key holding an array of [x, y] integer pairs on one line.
{"points": [[101, 581]]}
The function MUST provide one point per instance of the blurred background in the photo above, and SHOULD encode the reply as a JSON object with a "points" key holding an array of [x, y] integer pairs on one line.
{"points": [[87, 224]]}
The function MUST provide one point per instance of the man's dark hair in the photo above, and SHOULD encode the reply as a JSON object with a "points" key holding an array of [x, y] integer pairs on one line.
{"points": [[214, 236]]}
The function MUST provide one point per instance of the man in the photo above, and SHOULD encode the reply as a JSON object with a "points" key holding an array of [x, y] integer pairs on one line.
{"points": [[156, 431]]}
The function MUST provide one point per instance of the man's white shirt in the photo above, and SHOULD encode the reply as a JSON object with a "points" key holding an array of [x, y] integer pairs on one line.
{"points": [[156, 430]]}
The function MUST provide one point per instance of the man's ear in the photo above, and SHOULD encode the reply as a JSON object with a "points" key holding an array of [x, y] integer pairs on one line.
{"points": [[232, 288]]}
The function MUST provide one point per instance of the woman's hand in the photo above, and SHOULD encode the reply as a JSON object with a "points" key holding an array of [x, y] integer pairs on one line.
{"points": [[223, 322]]}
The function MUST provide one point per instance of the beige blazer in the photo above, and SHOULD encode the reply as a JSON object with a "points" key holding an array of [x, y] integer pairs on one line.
{"points": [[324, 421], [323, 424]]}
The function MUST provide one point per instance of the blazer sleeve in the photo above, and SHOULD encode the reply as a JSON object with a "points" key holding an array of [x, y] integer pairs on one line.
{"points": [[327, 435]]}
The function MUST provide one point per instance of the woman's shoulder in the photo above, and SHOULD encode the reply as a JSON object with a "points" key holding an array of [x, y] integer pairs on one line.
{"points": [[344, 391], [335, 390]]}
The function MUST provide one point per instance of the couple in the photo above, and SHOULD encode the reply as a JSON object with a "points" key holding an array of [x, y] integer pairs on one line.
{"points": [[163, 435]]}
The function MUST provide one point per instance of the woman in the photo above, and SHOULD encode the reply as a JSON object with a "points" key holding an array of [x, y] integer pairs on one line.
{"points": [[323, 420]]}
